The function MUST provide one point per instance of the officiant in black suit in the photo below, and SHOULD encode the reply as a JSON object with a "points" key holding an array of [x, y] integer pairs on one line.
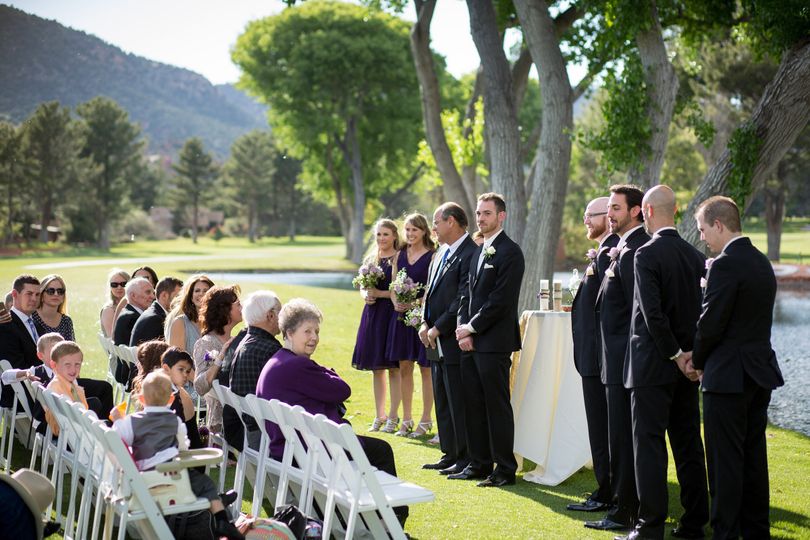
{"points": [[664, 401], [739, 370], [488, 333], [149, 324], [613, 305], [587, 350], [438, 333]]}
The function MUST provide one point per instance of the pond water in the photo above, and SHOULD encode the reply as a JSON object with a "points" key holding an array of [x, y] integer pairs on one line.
{"points": [[790, 404]]}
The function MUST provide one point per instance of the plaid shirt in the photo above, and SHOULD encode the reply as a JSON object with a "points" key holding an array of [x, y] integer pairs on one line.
{"points": [[253, 353]]}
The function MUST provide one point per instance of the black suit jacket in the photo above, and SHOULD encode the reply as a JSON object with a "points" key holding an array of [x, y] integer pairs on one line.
{"points": [[442, 300], [122, 331], [149, 325], [613, 306], [584, 324], [666, 307], [734, 330], [18, 348], [490, 297]]}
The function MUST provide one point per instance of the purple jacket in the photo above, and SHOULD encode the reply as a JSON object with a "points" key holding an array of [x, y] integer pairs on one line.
{"points": [[298, 380]]}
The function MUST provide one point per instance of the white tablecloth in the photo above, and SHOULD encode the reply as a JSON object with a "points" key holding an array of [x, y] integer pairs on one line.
{"points": [[550, 425]]}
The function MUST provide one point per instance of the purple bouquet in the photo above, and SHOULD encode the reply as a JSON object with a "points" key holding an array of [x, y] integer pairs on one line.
{"points": [[368, 275], [405, 289], [413, 317]]}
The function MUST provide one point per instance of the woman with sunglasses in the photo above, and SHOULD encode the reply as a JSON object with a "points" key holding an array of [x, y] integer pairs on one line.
{"points": [[51, 314], [117, 279]]}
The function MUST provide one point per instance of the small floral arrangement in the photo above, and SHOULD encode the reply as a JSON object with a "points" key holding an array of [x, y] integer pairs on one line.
{"points": [[709, 262], [210, 356], [614, 253], [413, 317], [204, 433], [368, 275], [489, 252], [590, 255], [404, 288]]}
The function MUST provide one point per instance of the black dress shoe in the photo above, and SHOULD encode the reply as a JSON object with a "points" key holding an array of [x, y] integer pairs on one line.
{"points": [[680, 532], [453, 469], [442, 464], [469, 473], [228, 498], [607, 525], [496, 480], [634, 535], [588, 505]]}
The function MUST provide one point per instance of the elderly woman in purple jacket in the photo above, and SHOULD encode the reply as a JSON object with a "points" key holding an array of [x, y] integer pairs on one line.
{"points": [[293, 377]]}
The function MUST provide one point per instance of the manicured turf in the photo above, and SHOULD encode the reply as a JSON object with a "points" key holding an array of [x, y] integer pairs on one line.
{"points": [[461, 510]]}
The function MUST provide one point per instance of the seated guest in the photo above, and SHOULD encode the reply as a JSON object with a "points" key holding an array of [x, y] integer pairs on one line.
{"points": [[179, 366], [116, 280], [40, 372], [139, 294], [66, 362], [182, 324], [51, 315], [219, 313], [149, 325], [156, 436], [18, 338], [144, 272], [149, 359], [260, 313], [293, 377]]}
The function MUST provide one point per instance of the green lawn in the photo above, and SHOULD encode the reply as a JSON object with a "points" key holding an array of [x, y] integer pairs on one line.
{"points": [[795, 247], [461, 510]]}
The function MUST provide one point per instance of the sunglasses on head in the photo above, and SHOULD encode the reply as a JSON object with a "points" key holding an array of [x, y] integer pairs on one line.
{"points": [[54, 291], [116, 284]]}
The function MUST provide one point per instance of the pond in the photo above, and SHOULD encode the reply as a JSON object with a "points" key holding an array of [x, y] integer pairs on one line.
{"points": [[790, 405]]}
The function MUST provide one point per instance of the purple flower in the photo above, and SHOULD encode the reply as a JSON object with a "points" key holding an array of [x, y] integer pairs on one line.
{"points": [[209, 356], [591, 254], [614, 253]]}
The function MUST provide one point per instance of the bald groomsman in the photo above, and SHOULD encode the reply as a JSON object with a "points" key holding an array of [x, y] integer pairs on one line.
{"points": [[587, 351], [739, 370], [666, 306]]}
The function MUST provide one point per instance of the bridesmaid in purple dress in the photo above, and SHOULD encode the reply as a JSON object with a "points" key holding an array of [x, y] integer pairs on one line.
{"points": [[404, 347], [372, 335]]}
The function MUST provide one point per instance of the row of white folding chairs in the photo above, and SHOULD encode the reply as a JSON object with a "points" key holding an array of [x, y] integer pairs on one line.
{"points": [[115, 353], [355, 499], [14, 420]]}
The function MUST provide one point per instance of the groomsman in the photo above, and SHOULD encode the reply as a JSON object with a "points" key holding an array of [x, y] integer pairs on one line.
{"points": [[666, 306], [587, 351], [488, 333], [437, 333], [613, 306], [733, 355]]}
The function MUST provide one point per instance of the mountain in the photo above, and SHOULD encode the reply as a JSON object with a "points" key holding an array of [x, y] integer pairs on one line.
{"points": [[41, 60]]}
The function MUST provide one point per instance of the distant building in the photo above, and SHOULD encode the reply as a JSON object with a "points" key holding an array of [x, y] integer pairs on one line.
{"points": [[164, 219]]}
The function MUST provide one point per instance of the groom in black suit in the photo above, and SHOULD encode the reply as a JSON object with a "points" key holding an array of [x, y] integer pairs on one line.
{"points": [[438, 333], [587, 350], [613, 306], [488, 333], [664, 400], [733, 355]]}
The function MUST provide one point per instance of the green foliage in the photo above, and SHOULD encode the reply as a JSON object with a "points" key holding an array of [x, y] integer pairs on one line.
{"points": [[194, 182], [694, 119], [775, 25], [11, 176], [743, 147]]}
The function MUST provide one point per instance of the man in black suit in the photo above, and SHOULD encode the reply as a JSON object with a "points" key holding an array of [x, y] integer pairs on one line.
{"points": [[666, 306], [438, 334], [733, 355], [488, 333], [139, 295], [613, 304], [149, 325], [18, 338], [587, 350]]}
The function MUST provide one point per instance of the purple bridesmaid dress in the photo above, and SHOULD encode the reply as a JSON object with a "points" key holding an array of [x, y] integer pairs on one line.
{"points": [[369, 349], [403, 341]]}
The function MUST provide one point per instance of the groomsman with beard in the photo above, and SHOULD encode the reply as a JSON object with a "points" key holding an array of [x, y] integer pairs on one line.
{"points": [[733, 355], [664, 400], [488, 333], [587, 350], [613, 306], [438, 334]]}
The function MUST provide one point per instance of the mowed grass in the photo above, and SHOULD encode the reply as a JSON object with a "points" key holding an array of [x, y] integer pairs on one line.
{"points": [[795, 244], [460, 510]]}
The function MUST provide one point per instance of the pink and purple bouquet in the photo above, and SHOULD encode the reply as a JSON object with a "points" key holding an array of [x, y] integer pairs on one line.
{"points": [[368, 276], [413, 317], [404, 288]]}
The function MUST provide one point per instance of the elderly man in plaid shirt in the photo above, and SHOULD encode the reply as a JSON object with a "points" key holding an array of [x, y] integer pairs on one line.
{"points": [[260, 313]]}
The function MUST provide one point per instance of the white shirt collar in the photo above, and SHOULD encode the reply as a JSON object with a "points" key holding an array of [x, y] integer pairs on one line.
{"points": [[136, 308], [666, 229], [454, 246], [23, 317], [729, 243], [488, 242], [623, 239]]}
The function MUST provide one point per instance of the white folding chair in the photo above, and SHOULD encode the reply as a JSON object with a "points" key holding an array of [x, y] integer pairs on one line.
{"points": [[43, 447], [109, 349], [128, 355], [216, 439], [19, 423], [269, 468]]}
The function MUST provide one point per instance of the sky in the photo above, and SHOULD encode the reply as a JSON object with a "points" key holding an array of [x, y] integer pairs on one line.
{"points": [[198, 34]]}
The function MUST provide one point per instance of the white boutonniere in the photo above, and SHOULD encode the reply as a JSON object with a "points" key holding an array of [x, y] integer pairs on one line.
{"points": [[709, 262], [609, 272], [489, 252], [589, 270], [703, 283]]}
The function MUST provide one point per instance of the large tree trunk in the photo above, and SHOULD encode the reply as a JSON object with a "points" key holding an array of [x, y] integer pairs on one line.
{"points": [[343, 211], [544, 222], [45, 219], [501, 125], [195, 219], [779, 118], [775, 193], [252, 211], [431, 106], [662, 88], [350, 147]]}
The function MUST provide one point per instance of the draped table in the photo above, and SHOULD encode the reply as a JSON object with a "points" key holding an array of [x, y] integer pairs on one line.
{"points": [[550, 425]]}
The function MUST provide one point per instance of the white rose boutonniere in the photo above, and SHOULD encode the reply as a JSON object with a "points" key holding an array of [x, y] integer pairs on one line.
{"points": [[609, 272], [489, 252]]}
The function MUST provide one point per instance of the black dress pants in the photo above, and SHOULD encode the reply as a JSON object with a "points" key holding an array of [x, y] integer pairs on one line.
{"points": [[447, 393], [620, 440], [737, 458], [593, 392]]}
